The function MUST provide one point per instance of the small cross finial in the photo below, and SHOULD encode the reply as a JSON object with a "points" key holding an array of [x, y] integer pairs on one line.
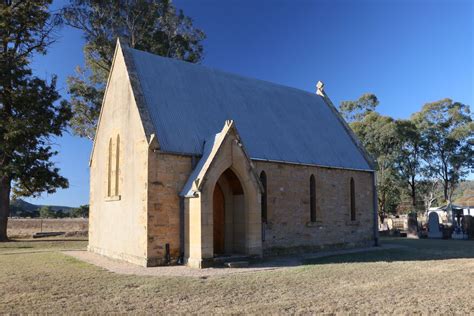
{"points": [[320, 88]]}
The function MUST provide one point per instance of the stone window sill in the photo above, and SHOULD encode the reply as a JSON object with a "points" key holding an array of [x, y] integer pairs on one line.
{"points": [[113, 198], [318, 223]]}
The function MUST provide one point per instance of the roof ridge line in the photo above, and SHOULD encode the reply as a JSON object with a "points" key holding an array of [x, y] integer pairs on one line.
{"points": [[222, 71]]}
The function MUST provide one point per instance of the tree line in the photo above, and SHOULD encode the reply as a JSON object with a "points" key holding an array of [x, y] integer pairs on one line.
{"points": [[47, 211], [77, 212], [423, 158]]}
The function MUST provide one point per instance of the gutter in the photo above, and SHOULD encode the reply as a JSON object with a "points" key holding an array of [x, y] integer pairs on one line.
{"points": [[310, 165], [194, 156], [181, 230], [375, 205]]}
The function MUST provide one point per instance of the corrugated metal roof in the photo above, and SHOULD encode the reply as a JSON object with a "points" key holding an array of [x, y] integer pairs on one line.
{"points": [[189, 103]]}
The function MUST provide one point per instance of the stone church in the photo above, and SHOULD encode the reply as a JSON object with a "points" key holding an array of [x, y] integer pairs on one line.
{"points": [[192, 165]]}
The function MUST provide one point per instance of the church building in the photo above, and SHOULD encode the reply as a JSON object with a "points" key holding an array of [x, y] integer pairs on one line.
{"points": [[192, 165]]}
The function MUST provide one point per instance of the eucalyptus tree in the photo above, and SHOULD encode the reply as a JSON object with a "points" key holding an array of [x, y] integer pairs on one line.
{"points": [[30, 113], [377, 134], [356, 110], [408, 160], [447, 133], [155, 26]]}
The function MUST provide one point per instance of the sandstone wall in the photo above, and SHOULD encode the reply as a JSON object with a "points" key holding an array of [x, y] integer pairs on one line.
{"points": [[118, 224], [289, 228], [167, 176]]}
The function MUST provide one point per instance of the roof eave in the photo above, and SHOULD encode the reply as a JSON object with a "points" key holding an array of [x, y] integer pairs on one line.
{"points": [[147, 123], [117, 48], [139, 96], [368, 158]]}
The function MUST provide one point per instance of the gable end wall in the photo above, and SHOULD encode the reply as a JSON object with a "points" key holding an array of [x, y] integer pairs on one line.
{"points": [[117, 227]]}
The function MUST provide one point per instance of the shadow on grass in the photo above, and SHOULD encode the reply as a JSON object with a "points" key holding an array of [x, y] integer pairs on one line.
{"points": [[411, 250], [396, 249]]}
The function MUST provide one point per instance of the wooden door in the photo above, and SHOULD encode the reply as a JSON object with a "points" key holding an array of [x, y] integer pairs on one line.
{"points": [[219, 220]]}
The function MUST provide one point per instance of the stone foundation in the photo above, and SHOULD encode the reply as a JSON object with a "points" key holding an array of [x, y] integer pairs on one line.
{"points": [[141, 261]]}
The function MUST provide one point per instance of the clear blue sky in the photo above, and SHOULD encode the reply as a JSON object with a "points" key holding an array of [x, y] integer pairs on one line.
{"points": [[406, 52]]}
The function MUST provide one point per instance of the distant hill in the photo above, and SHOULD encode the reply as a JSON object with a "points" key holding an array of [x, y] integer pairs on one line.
{"points": [[22, 208], [19, 203]]}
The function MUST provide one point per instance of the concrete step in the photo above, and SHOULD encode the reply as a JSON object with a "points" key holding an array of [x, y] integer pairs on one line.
{"points": [[236, 264]]}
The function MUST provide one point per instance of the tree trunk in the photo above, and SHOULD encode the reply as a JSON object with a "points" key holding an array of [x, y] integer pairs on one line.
{"points": [[445, 187], [413, 195], [5, 187]]}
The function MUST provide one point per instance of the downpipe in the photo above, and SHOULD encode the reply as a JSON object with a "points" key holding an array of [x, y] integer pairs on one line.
{"points": [[181, 231], [375, 206]]}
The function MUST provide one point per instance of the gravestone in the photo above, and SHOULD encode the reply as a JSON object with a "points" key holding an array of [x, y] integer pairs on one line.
{"points": [[412, 226], [433, 226], [468, 225], [458, 232], [389, 223]]}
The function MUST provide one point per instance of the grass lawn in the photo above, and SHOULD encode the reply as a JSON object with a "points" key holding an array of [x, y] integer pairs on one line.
{"points": [[425, 276]]}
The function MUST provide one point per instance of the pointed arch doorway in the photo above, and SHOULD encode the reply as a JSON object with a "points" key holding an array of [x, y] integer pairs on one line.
{"points": [[219, 220], [229, 234], [222, 202]]}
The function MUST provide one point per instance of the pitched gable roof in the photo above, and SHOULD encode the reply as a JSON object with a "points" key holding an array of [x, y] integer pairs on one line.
{"points": [[188, 103]]}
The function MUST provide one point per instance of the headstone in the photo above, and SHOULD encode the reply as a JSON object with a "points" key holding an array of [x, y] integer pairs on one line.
{"points": [[400, 223], [389, 223], [458, 232], [412, 226], [433, 226], [468, 225]]}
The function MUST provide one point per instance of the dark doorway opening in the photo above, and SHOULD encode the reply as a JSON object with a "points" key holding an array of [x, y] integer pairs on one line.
{"points": [[219, 220]]}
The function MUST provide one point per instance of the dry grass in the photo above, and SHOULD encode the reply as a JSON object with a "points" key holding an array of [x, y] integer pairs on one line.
{"points": [[26, 227], [425, 277]]}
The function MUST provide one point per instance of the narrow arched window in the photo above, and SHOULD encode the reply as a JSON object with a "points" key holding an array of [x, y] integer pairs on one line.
{"points": [[117, 165], [109, 169], [263, 180], [353, 206], [312, 198]]}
